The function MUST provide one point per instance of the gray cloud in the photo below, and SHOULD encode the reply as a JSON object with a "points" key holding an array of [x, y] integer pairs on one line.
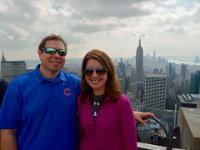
{"points": [[196, 16], [111, 8], [93, 26], [20, 13], [96, 23]]}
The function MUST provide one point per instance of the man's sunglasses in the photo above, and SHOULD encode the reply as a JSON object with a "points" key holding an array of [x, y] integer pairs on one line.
{"points": [[52, 51], [99, 71]]}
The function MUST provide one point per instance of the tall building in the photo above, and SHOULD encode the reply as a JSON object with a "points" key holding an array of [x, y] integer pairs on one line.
{"points": [[154, 55], [155, 93], [121, 69], [12, 69], [139, 63], [121, 74], [128, 77], [195, 82], [172, 71], [183, 71]]}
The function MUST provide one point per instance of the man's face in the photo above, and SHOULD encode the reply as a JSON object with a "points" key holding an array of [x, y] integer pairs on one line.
{"points": [[51, 63]]}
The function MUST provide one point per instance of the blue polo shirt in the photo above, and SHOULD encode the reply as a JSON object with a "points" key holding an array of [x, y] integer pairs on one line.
{"points": [[42, 110]]}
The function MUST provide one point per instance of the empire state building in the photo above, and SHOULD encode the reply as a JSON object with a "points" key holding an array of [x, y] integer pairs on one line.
{"points": [[139, 63]]}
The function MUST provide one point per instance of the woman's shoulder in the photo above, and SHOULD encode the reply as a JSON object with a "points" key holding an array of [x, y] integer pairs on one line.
{"points": [[123, 100], [123, 97]]}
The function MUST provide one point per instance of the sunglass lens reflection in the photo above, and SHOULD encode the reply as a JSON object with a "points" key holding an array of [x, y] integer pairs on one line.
{"points": [[52, 51]]}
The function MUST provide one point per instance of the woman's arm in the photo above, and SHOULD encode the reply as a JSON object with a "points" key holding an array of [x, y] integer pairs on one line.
{"points": [[141, 117]]}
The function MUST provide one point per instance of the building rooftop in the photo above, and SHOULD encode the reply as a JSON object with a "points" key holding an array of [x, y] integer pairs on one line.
{"points": [[156, 75], [195, 97], [189, 100]]}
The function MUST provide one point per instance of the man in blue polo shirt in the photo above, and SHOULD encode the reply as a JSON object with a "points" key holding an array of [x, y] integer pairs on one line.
{"points": [[39, 107]]}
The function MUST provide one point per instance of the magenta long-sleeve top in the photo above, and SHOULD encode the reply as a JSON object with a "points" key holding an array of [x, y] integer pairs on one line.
{"points": [[113, 129]]}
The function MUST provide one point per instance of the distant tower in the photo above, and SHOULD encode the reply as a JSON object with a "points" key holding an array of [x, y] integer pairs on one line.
{"points": [[195, 83], [183, 70], [121, 74], [196, 59], [121, 69], [172, 71], [139, 63], [154, 55], [3, 59]]}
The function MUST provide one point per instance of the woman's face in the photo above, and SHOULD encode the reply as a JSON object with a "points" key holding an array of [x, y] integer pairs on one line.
{"points": [[96, 76]]}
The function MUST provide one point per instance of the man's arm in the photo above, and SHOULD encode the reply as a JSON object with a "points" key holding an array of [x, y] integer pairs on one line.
{"points": [[141, 117], [8, 139]]}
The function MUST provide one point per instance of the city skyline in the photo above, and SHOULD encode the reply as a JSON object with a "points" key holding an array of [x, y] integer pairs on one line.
{"points": [[171, 27]]}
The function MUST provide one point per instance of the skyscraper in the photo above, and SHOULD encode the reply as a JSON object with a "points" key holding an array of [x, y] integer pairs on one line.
{"points": [[172, 71], [139, 63], [121, 69], [155, 93], [154, 55], [121, 74], [195, 82], [183, 71]]}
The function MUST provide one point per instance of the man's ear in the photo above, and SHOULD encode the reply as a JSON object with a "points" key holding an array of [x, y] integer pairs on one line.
{"points": [[39, 52]]}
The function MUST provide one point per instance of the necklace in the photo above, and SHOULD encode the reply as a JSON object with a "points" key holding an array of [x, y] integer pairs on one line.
{"points": [[97, 101]]}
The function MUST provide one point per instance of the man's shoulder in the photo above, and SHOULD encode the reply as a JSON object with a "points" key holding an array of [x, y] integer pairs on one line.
{"points": [[71, 76], [28, 76]]}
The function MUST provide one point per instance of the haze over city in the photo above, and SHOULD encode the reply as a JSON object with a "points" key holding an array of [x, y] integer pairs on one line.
{"points": [[170, 27]]}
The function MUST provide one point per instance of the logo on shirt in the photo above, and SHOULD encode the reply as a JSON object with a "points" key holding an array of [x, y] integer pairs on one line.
{"points": [[67, 91]]}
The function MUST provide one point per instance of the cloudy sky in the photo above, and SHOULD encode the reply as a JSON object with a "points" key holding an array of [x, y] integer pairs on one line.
{"points": [[170, 27]]}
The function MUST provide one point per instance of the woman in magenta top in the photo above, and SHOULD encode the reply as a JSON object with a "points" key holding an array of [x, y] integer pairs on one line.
{"points": [[106, 120]]}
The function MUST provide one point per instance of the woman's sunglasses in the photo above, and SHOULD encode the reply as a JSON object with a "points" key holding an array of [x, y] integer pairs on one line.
{"points": [[52, 51], [99, 71]]}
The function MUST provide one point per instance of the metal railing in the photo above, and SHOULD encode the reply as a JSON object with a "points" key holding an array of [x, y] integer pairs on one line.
{"points": [[171, 139]]}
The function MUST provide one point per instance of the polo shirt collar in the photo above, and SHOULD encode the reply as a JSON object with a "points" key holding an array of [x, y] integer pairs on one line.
{"points": [[60, 77]]}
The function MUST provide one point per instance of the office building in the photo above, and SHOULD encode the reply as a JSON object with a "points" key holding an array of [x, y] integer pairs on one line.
{"points": [[121, 69], [172, 71], [195, 81], [12, 69], [183, 71], [155, 93]]}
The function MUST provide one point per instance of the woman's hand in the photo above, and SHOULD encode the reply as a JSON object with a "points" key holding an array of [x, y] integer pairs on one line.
{"points": [[142, 117]]}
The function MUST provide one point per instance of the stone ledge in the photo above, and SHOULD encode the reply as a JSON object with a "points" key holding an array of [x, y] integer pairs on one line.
{"points": [[146, 146]]}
